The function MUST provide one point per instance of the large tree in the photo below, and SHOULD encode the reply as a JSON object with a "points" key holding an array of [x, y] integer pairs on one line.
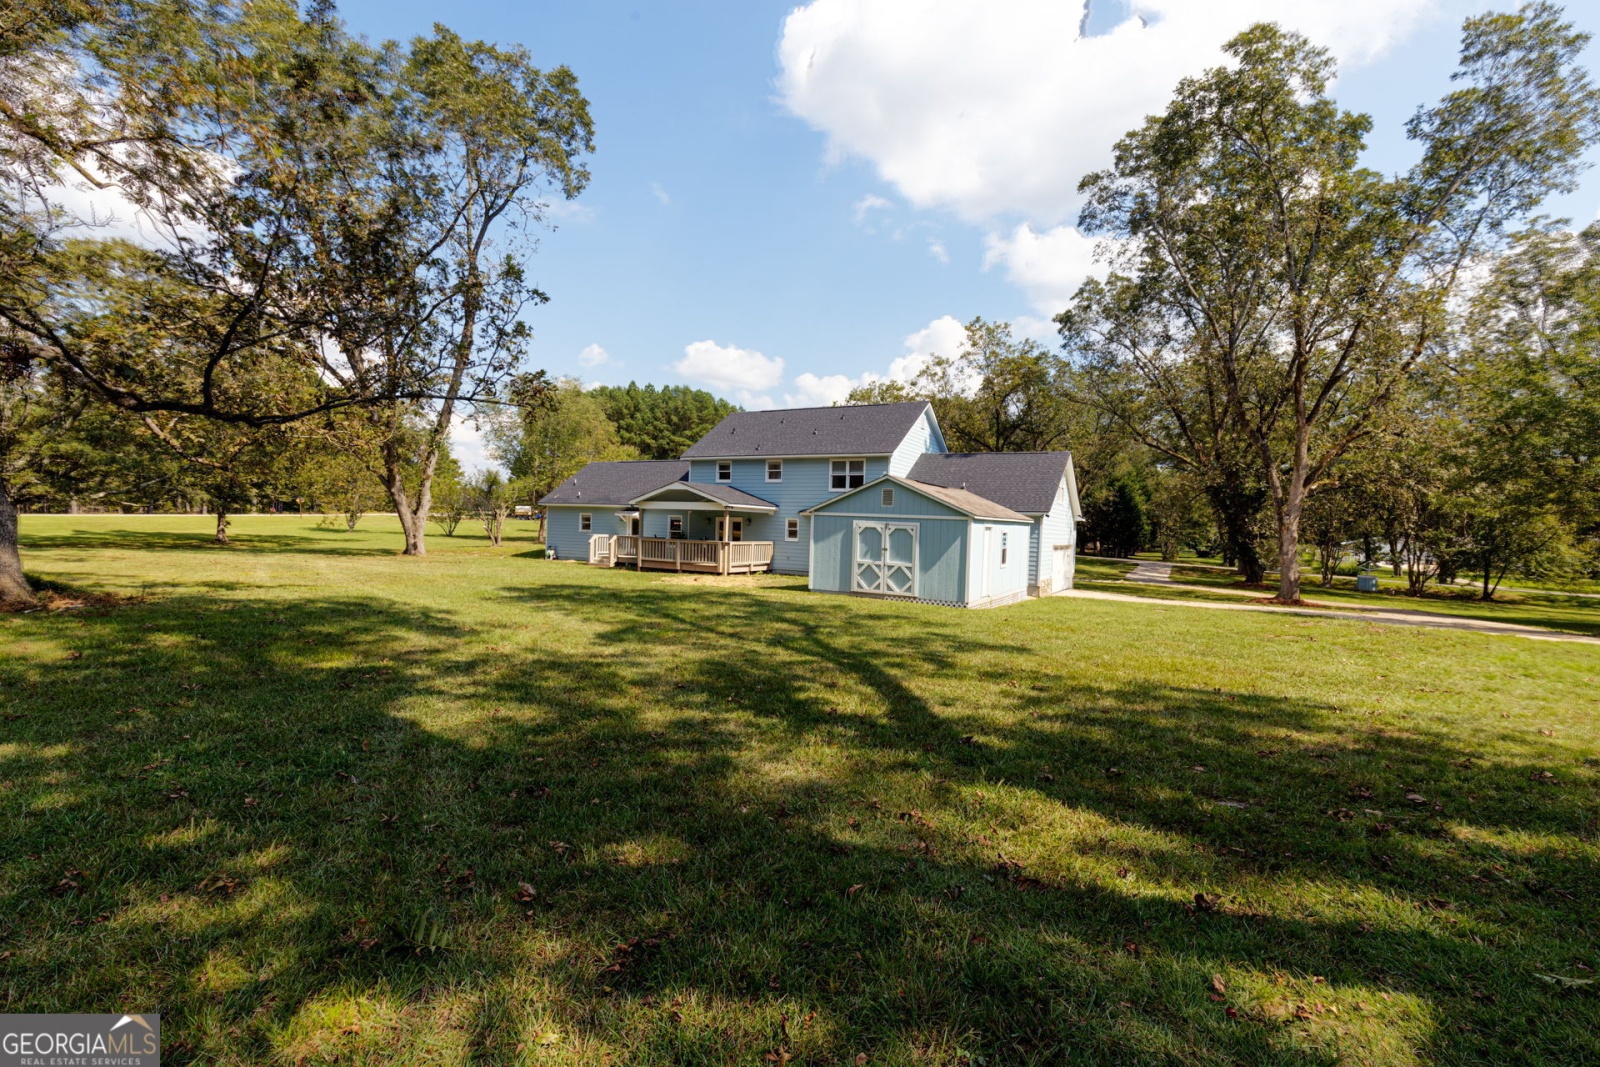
{"points": [[1249, 239]]}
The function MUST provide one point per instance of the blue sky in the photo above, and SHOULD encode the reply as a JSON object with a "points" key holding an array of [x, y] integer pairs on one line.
{"points": [[787, 201]]}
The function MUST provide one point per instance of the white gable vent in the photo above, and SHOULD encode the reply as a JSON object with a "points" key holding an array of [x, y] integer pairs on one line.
{"points": [[888, 496]]}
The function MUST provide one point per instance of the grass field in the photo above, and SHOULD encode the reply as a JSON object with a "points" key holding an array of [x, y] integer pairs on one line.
{"points": [[317, 803]]}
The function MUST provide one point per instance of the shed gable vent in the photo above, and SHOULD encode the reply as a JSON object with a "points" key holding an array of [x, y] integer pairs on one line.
{"points": [[888, 496]]}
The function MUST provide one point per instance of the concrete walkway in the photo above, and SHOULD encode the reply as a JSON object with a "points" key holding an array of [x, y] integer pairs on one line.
{"points": [[1387, 617], [1151, 571]]}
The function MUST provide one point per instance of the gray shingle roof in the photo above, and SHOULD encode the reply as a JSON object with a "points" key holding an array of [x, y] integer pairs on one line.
{"points": [[1022, 481], [725, 493], [607, 484], [854, 430]]}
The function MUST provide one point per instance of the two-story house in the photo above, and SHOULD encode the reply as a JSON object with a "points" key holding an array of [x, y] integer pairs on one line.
{"points": [[863, 499]]}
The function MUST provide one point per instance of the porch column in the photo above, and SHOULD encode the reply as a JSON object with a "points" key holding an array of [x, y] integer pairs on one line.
{"points": [[727, 540]]}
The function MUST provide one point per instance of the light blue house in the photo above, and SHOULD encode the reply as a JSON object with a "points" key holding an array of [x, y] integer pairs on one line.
{"points": [[863, 499]]}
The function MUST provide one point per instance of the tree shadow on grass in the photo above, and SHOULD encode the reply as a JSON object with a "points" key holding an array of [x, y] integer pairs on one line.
{"points": [[796, 805], [122, 537]]}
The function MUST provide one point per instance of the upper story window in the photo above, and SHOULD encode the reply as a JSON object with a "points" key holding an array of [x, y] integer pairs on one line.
{"points": [[724, 470], [774, 470], [847, 474], [888, 496]]}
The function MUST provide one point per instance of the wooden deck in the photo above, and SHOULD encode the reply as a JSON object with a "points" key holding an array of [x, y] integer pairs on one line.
{"points": [[675, 554]]}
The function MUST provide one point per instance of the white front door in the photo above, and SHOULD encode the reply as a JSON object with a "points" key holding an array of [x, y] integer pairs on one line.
{"points": [[736, 529], [884, 559]]}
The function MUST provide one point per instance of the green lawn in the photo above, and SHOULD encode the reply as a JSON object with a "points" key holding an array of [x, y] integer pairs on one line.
{"points": [[316, 803]]}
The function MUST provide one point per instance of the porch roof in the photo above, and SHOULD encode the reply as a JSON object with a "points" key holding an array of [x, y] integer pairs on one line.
{"points": [[698, 496]]}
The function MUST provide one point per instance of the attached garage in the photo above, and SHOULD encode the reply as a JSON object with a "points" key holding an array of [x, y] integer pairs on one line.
{"points": [[910, 541]]}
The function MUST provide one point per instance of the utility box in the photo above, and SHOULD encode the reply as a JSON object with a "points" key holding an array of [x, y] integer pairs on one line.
{"points": [[1366, 583]]}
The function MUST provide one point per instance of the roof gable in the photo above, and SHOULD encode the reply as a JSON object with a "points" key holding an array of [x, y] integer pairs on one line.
{"points": [[606, 484], [1022, 481], [850, 430], [970, 504]]}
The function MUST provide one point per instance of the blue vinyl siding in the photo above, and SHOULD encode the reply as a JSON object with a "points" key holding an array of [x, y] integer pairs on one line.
{"points": [[924, 437], [1057, 528], [564, 540], [805, 483]]}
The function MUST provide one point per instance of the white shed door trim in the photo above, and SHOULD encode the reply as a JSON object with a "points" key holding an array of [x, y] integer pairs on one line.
{"points": [[884, 558]]}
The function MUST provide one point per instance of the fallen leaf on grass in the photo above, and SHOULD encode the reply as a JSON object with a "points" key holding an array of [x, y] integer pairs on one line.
{"points": [[1563, 982], [548, 1037], [1218, 985], [1416, 798], [524, 893], [853, 890]]}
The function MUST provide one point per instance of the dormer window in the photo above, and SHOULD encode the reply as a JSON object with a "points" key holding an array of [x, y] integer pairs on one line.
{"points": [[847, 474], [724, 470]]}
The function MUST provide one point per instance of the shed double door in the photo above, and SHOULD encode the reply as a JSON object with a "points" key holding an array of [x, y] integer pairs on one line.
{"points": [[885, 559]]}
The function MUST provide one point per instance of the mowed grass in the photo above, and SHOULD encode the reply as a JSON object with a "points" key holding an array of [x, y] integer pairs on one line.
{"points": [[317, 803]]}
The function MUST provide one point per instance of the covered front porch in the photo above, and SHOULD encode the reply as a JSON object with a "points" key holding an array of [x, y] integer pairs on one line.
{"points": [[681, 510]]}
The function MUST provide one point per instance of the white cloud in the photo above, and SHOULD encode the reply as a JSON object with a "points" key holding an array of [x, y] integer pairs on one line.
{"points": [[1047, 266], [943, 336], [868, 204], [660, 194], [937, 250], [812, 391], [593, 356], [1000, 109], [741, 373], [468, 446]]}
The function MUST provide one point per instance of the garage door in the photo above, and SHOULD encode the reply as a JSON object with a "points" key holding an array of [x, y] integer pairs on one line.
{"points": [[885, 559], [1061, 569]]}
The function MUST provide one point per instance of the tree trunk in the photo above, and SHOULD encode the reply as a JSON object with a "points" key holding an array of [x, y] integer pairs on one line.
{"points": [[14, 588], [222, 526]]}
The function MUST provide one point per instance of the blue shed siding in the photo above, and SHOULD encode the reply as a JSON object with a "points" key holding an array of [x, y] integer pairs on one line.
{"points": [[924, 437], [941, 555], [942, 566]]}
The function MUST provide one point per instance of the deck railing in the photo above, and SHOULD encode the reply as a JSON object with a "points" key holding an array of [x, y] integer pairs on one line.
{"points": [[678, 554]]}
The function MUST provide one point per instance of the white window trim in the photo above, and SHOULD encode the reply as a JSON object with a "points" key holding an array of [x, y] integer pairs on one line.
{"points": [[886, 496], [1005, 549], [585, 522], [720, 464], [675, 519], [794, 525], [770, 462], [847, 486]]}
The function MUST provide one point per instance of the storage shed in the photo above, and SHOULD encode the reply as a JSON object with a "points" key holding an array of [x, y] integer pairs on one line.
{"points": [[909, 540]]}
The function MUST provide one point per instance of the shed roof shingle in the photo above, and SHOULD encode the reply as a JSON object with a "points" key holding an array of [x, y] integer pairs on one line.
{"points": [[1022, 481], [852, 430], [607, 484]]}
